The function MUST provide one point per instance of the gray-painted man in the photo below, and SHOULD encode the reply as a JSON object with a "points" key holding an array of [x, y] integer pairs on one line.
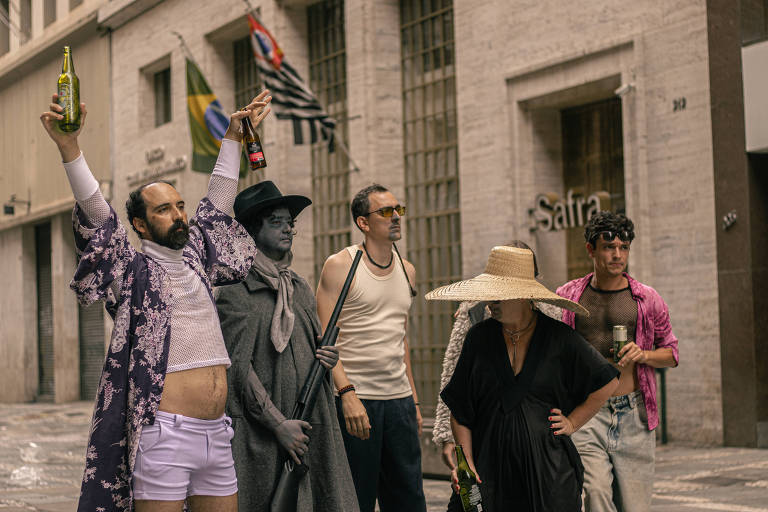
{"points": [[271, 329]]}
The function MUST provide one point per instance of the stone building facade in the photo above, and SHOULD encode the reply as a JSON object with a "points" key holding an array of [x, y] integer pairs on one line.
{"points": [[490, 121], [47, 342]]}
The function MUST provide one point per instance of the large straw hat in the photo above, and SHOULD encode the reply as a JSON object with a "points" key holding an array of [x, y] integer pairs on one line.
{"points": [[508, 275]]}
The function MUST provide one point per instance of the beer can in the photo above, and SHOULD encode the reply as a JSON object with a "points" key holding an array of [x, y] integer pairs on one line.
{"points": [[619, 340]]}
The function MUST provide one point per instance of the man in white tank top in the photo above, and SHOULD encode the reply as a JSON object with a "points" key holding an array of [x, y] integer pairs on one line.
{"points": [[377, 402]]}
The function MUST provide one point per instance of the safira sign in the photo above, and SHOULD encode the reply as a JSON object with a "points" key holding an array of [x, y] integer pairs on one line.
{"points": [[554, 214]]}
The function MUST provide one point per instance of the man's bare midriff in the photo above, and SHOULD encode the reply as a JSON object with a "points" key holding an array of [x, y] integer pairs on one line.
{"points": [[196, 393], [627, 380]]}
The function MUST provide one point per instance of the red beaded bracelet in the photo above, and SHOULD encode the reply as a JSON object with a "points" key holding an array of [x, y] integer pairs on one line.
{"points": [[346, 388]]}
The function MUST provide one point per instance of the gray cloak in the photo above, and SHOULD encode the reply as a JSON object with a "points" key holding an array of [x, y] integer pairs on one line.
{"points": [[245, 311]]}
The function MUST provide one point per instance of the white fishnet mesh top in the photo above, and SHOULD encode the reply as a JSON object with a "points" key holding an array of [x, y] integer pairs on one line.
{"points": [[196, 339]]}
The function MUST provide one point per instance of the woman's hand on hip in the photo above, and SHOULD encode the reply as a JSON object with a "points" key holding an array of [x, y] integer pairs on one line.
{"points": [[561, 423]]}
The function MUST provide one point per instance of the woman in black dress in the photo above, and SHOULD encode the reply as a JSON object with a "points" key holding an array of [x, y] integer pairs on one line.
{"points": [[523, 384]]}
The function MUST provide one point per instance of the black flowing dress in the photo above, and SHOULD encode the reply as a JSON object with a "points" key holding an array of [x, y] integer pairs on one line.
{"points": [[523, 465]]}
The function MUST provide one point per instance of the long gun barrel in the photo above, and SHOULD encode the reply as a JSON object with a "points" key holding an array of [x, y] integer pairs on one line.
{"points": [[306, 401], [287, 491]]}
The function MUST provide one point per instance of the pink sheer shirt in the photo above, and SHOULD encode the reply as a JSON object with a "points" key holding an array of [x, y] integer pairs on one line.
{"points": [[653, 331]]}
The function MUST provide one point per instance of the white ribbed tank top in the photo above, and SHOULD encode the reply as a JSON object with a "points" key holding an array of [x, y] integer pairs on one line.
{"points": [[372, 327]]}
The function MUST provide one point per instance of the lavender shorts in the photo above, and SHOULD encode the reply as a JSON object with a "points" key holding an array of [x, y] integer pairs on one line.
{"points": [[180, 456]]}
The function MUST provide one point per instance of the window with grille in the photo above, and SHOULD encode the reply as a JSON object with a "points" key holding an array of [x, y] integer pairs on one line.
{"points": [[330, 171], [248, 85], [431, 180], [45, 354]]}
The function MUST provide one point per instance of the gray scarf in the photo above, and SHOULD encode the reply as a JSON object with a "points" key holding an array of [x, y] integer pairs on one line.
{"points": [[277, 276]]}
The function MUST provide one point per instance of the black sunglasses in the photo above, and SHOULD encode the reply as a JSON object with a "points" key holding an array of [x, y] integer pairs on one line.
{"points": [[610, 236], [388, 211]]}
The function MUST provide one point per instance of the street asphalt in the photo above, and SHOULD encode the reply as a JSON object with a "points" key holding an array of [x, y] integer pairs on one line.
{"points": [[42, 448]]}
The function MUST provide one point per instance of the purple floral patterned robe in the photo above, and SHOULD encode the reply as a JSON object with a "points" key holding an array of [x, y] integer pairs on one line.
{"points": [[220, 252]]}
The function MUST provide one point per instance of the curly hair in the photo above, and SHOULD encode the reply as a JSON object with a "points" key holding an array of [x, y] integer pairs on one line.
{"points": [[135, 206], [360, 203], [607, 221]]}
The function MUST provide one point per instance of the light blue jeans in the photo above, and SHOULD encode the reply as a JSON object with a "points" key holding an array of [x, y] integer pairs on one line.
{"points": [[618, 453]]}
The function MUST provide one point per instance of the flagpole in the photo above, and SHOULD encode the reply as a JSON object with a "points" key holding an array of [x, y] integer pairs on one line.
{"points": [[352, 165], [340, 142], [255, 12], [250, 9], [185, 49]]}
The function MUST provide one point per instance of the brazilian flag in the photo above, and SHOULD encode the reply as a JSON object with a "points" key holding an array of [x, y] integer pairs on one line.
{"points": [[207, 121]]}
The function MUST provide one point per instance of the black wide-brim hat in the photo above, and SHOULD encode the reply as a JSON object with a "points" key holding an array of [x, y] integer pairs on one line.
{"points": [[265, 194]]}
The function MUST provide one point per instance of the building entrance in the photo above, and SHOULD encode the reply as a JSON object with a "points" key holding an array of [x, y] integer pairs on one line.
{"points": [[92, 350], [593, 160], [44, 312]]}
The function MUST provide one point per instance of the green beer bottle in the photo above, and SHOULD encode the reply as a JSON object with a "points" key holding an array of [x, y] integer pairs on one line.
{"points": [[469, 491], [69, 94], [619, 340]]}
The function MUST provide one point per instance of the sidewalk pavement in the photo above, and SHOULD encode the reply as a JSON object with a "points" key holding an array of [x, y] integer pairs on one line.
{"points": [[42, 449]]}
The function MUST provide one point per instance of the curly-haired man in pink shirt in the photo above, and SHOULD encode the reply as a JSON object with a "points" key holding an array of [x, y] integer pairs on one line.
{"points": [[617, 446]]}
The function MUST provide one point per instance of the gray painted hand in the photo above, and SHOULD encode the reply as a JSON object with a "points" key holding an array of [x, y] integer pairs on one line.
{"points": [[328, 356], [290, 434]]}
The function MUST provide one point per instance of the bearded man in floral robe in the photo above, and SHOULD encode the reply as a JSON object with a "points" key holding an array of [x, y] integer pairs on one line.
{"points": [[163, 388]]}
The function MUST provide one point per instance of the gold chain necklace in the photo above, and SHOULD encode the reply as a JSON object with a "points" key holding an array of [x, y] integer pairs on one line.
{"points": [[514, 337]]}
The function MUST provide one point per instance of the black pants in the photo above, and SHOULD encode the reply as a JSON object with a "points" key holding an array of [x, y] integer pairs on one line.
{"points": [[387, 465]]}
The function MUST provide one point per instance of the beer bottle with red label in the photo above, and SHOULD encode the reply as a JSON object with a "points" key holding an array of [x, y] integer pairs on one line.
{"points": [[253, 146]]}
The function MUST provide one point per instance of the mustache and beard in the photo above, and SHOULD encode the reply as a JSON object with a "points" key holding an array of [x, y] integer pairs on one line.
{"points": [[395, 233], [175, 238]]}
